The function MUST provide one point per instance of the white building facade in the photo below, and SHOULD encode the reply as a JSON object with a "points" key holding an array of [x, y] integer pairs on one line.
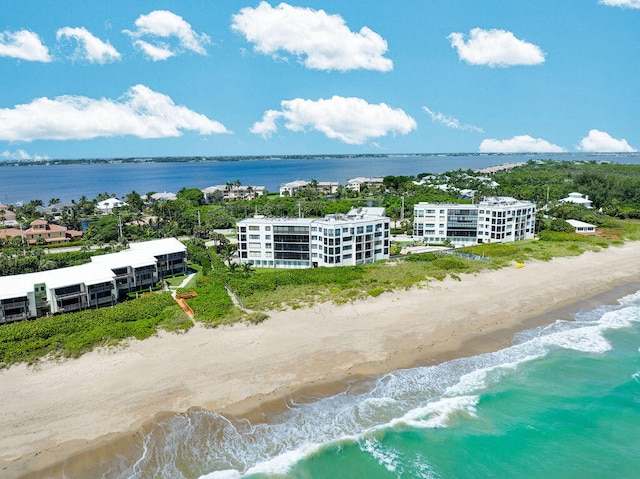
{"points": [[361, 236], [492, 220], [357, 184], [102, 282]]}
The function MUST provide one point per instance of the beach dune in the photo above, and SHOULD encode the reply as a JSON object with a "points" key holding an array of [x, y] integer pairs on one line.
{"points": [[56, 410]]}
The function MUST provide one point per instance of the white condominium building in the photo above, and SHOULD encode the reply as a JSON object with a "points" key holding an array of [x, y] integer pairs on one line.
{"points": [[361, 236], [102, 282], [492, 220]]}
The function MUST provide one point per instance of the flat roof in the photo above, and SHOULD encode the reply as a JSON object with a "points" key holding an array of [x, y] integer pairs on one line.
{"points": [[97, 271]]}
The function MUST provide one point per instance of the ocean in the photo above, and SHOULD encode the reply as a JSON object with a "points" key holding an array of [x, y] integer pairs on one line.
{"points": [[69, 181], [563, 401]]}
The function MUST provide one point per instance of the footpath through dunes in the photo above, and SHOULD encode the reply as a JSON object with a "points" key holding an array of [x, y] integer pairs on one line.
{"points": [[54, 410]]}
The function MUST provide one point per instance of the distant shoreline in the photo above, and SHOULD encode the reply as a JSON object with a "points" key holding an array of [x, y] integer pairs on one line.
{"points": [[57, 410], [205, 158]]}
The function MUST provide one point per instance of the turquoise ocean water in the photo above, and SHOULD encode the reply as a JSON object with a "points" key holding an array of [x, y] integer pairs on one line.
{"points": [[562, 402]]}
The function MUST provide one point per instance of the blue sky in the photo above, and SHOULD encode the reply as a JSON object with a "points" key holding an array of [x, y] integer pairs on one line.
{"points": [[96, 79]]}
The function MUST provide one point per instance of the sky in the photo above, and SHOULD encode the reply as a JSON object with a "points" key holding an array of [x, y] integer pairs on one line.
{"points": [[96, 79]]}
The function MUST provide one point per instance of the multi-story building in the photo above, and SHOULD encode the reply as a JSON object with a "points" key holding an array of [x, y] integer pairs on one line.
{"points": [[492, 220], [99, 283], [323, 187], [41, 231], [232, 192], [359, 183], [361, 236]]}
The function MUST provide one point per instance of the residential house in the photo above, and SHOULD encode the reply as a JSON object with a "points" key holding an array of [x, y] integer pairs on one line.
{"points": [[577, 199], [42, 231], [110, 205], [7, 217], [582, 227], [164, 196]]}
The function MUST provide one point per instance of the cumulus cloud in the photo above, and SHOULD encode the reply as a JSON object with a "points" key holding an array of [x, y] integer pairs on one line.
{"points": [[602, 142], [495, 48], [166, 25], [519, 144], [21, 155], [140, 112], [621, 3], [350, 120], [450, 122], [89, 47], [24, 45], [320, 40]]}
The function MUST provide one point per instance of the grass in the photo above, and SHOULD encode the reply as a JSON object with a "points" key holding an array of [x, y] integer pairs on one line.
{"points": [[73, 334]]}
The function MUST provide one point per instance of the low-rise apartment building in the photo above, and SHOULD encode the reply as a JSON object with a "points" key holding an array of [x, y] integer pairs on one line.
{"points": [[359, 183], [92, 285], [232, 192], [492, 220], [323, 187], [358, 237]]}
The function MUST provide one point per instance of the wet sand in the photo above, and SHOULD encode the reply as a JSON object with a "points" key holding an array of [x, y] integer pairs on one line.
{"points": [[73, 413]]}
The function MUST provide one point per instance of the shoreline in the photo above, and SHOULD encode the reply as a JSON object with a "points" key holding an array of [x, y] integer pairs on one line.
{"points": [[67, 414]]}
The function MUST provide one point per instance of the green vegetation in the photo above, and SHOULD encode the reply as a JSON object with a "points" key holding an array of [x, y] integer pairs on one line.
{"points": [[70, 335], [228, 293]]}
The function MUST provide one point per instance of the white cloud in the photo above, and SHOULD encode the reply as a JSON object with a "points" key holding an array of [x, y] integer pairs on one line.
{"points": [[519, 144], [450, 122], [167, 25], [24, 45], [89, 47], [495, 48], [621, 3], [154, 52], [140, 112], [324, 40], [602, 142], [350, 120], [21, 155]]}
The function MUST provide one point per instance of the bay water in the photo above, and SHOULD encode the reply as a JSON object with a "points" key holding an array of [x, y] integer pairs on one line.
{"points": [[44, 180], [563, 401]]}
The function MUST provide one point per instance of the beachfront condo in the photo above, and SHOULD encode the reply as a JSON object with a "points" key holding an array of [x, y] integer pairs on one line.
{"points": [[497, 219], [102, 282], [358, 237]]}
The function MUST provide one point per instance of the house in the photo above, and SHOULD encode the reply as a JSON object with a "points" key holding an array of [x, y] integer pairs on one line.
{"points": [[360, 183], [164, 196], [92, 285], [109, 205], [492, 220], [232, 192], [7, 217], [42, 231], [54, 210], [361, 236], [582, 227], [578, 199]]}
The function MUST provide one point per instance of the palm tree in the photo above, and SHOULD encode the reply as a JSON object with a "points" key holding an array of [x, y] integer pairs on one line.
{"points": [[247, 269]]}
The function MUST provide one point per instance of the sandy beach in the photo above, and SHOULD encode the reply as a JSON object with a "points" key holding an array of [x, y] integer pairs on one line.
{"points": [[56, 410]]}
